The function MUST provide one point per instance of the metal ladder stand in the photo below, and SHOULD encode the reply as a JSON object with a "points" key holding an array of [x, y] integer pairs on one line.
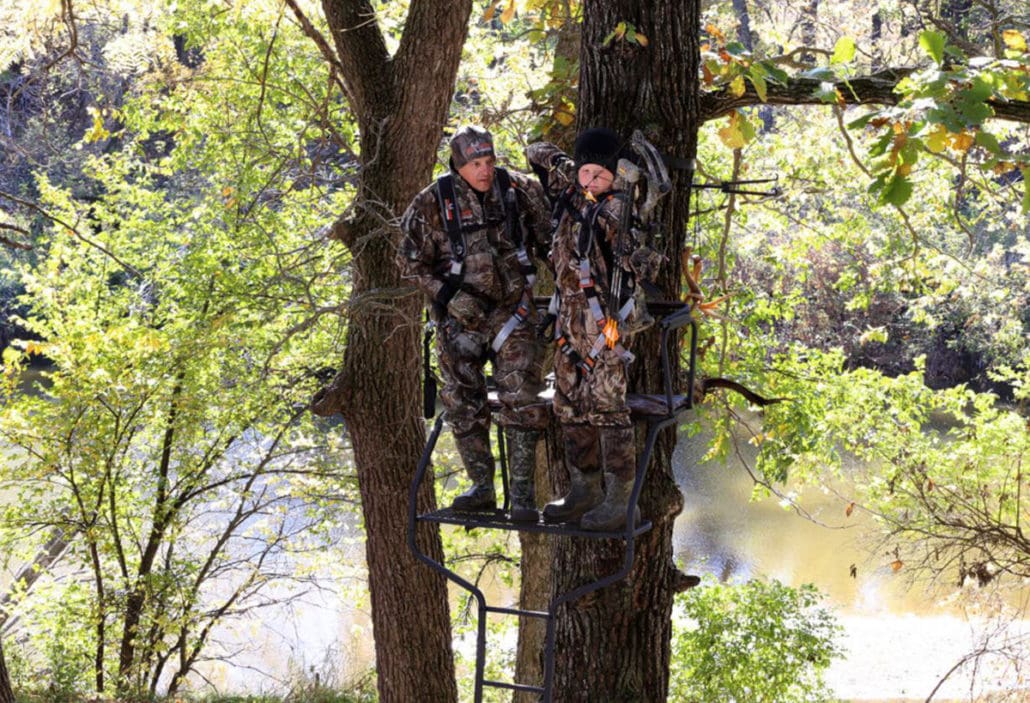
{"points": [[659, 411]]}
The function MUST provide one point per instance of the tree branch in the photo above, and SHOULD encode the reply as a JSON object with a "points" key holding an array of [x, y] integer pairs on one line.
{"points": [[362, 53], [309, 29], [8, 242], [428, 19], [877, 88], [73, 231]]}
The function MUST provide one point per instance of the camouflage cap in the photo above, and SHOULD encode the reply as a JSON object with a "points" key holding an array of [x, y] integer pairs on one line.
{"points": [[469, 143]]}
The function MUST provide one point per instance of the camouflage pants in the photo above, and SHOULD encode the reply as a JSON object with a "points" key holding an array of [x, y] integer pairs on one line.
{"points": [[599, 396], [462, 357], [590, 448]]}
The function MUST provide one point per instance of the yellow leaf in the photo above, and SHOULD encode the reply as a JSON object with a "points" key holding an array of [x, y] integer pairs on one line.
{"points": [[712, 304], [620, 30], [34, 348], [564, 117], [642, 40], [227, 191], [490, 12], [938, 140], [737, 86], [962, 141], [508, 13], [1014, 40], [731, 135], [716, 32]]}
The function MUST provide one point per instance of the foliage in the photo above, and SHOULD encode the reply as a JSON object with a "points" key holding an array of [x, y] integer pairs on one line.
{"points": [[187, 292], [945, 466], [170, 442], [944, 109], [759, 642]]}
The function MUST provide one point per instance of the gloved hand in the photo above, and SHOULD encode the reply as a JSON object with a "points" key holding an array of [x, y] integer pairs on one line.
{"points": [[466, 309]]}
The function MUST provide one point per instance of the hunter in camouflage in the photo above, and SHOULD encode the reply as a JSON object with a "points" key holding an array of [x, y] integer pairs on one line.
{"points": [[474, 309], [597, 262]]}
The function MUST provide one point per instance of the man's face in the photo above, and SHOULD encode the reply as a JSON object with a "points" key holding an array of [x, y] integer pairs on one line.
{"points": [[479, 173], [595, 179]]}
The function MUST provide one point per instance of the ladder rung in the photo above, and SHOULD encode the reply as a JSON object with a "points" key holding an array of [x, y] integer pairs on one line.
{"points": [[518, 611], [514, 686]]}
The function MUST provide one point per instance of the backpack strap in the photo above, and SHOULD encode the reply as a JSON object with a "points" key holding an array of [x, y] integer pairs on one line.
{"points": [[450, 215], [515, 228]]}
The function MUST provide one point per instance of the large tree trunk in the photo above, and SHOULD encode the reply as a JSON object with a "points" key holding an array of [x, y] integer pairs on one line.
{"points": [[6, 694], [615, 645], [401, 103]]}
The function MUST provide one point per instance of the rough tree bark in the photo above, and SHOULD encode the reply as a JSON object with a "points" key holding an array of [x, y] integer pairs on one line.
{"points": [[615, 645], [401, 104], [6, 694]]}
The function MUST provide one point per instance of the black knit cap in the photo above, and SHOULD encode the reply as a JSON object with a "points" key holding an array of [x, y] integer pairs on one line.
{"points": [[599, 146]]}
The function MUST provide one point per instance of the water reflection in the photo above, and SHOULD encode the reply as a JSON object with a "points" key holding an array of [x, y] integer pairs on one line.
{"points": [[900, 640]]}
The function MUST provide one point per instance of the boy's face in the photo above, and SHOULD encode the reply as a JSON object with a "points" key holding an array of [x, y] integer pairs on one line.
{"points": [[479, 173], [595, 179]]}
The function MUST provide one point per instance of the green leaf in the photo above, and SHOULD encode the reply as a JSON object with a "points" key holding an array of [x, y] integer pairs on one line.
{"points": [[819, 73], [989, 142], [933, 44], [774, 72], [881, 144], [861, 122], [974, 112], [758, 80], [735, 48], [897, 191], [826, 92], [843, 50], [1026, 189]]}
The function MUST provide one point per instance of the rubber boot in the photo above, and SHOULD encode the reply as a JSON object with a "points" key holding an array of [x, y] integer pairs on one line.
{"points": [[474, 449], [581, 454], [521, 467], [619, 475]]}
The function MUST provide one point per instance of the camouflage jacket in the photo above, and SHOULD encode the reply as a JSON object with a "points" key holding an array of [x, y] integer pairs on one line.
{"points": [[613, 248], [491, 269]]}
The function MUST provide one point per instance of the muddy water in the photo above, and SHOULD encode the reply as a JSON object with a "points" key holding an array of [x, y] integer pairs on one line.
{"points": [[901, 638]]}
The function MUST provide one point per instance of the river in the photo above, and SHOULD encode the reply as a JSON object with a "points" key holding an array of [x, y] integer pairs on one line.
{"points": [[900, 639]]}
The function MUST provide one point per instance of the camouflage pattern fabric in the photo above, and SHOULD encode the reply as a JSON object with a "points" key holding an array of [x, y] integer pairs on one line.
{"points": [[492, 286], [599, 397]]}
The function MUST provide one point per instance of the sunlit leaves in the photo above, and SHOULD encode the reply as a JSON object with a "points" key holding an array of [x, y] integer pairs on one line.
{"points": [[738, 132], [948, 108], [759, 641], [843, 51], [1014, 41], [933, 44], [625, 31], [729, 64]]}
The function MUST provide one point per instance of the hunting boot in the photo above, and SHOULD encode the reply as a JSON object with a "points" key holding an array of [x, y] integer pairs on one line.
{"points": [[584, 476], [522, 466], [474, 449], [619, 474]]}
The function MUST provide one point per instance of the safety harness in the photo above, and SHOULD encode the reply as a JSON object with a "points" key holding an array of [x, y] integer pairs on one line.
{"points": [[608, 325], [450, 213]]}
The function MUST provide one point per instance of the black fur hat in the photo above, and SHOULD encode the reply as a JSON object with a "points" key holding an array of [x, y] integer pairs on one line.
{"points": [[598, 146]]}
